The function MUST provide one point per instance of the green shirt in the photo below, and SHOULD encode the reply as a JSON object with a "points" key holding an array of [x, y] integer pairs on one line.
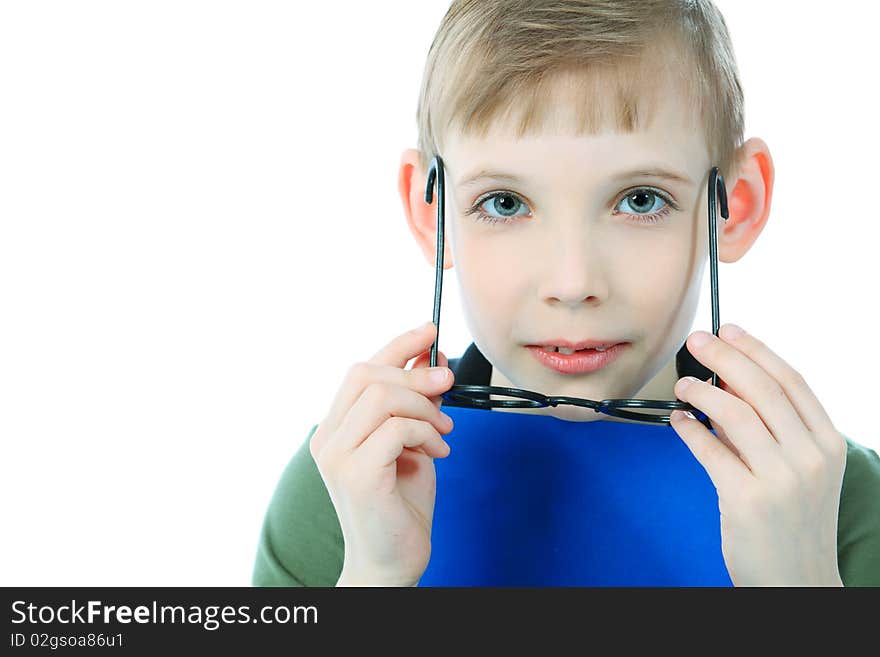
{"points": [[300, 543]]}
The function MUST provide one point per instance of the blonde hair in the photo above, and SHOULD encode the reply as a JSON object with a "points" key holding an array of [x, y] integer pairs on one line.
{"points": [[492, 58]]}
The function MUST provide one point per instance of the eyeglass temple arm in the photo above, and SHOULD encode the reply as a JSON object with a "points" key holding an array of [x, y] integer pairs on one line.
{"points": [[717, 192], [435, 172]]}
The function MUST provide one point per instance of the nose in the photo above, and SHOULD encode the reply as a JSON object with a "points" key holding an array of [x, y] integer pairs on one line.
{"points": [[572, 272]]}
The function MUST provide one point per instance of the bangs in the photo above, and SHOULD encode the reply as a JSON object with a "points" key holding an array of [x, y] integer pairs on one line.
{"points": [[588, 100], [580, 67]]}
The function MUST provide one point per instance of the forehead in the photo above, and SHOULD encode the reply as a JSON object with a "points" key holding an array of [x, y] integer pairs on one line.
{"points": [[579, 125]]}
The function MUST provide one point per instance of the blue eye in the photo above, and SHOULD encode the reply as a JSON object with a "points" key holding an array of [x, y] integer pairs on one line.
{"points": [[505, 203], [647, 205]]}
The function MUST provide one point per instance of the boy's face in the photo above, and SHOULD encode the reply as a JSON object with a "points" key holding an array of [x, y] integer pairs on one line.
{"points": [[586, 252]]}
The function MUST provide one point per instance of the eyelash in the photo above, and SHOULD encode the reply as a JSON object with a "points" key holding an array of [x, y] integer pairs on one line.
{"points": [[654, 218]]}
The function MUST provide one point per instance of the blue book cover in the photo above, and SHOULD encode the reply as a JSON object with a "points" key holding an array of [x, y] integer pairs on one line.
{"points": [[533, 500]]}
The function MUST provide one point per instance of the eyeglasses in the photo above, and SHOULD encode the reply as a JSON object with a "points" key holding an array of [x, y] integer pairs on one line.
{"points": [[477, 396]]}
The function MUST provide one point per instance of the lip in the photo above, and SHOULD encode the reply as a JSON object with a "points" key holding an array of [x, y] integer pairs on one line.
{"points": [[583, 344], [577, 363]]}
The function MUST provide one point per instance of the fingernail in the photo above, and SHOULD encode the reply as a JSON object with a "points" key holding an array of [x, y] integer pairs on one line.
{"points": [[685, 382], [680, 415], [438, 374], [730, 331], [700, 338], [424, 327]]}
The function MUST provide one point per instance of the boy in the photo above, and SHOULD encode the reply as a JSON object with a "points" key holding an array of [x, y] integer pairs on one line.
{"points": [[577, 137]]}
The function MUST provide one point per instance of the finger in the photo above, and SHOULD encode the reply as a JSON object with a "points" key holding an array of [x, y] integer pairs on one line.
{"points": [[379, 402], [360, 375], [757, 449], [423, 360], [406, 346], [812, 414], [717, 428], [384, 445], [723, 467], [755, 386]]}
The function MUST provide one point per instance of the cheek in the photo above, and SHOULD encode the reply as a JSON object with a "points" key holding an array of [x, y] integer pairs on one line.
{"points": [[665, 308], [487, 279], [489, 282], [657, 277], [669, 269], [485, 263]]}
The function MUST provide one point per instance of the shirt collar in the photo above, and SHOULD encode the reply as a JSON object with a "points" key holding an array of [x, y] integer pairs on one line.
{"points": [[472, 368]]}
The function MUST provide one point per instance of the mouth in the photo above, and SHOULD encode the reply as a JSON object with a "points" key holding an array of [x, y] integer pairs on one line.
{"points": [[577, 358], [566, 347]]}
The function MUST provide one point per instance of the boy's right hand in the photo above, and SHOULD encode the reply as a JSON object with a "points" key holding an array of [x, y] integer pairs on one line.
{"points": [[375, 451]]}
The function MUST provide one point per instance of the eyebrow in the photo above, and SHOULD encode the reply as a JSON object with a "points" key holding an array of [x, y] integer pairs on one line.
{"points": [[644, 172]]}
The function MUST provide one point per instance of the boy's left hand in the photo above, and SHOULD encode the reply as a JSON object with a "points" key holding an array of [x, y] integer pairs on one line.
{"points": [[778, 466]]}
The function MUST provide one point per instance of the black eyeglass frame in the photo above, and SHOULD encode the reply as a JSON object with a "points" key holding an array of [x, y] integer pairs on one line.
{"points": [[465, 394]]}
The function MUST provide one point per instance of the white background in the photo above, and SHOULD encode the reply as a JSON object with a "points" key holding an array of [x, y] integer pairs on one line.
{"points": [[200, 231]]}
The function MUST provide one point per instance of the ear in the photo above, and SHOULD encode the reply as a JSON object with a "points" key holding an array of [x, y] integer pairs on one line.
{"points": [[748, 200], [420, 216]]}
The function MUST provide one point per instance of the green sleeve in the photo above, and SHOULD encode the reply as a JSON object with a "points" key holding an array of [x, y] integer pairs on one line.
{"points": [[300, 542], [858, 522]]}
